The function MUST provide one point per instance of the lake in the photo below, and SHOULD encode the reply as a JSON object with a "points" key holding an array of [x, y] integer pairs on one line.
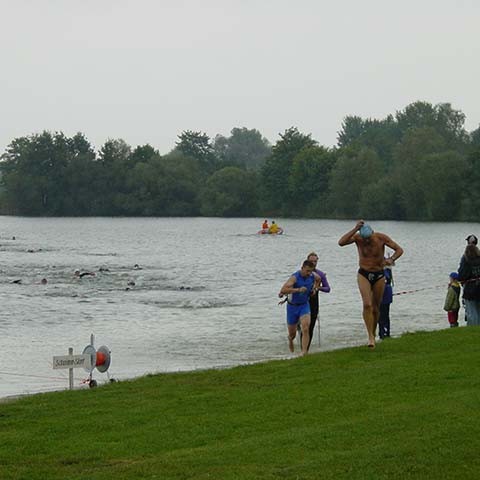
{"points": [[205, 295]]}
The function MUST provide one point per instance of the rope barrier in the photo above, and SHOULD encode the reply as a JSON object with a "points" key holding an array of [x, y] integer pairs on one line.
{"points": [[78, 379], [404, 292], [32, 376], [417, 290]]}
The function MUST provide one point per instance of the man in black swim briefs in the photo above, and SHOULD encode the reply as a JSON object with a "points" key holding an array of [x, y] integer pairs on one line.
{"points": [[370, 277]]}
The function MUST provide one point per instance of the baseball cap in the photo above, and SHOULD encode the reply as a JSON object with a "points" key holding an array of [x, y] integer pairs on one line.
{"points": [[472, 239], [454, 275]]}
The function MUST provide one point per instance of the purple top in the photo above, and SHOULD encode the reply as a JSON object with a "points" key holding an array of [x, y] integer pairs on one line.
{"points": [[325, 285]]}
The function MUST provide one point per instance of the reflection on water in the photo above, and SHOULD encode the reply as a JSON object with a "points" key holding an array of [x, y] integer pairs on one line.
{"points": [[204, 295]]}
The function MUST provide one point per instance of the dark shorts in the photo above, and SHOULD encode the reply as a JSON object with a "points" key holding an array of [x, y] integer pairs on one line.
{"points": [[372, 277]]}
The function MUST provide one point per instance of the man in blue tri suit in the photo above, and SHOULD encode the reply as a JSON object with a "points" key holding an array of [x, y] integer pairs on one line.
{"points": [[298, 289]]}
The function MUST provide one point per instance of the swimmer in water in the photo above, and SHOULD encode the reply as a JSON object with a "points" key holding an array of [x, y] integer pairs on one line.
{"points": [[79, 274]]}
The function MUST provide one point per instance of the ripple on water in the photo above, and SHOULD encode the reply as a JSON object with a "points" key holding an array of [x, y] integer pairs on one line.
{"points": [[204, 297]]}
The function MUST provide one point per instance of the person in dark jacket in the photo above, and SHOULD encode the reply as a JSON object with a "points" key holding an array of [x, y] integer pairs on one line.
{"points": [[384, 317], [314, 304], [469, 276]]}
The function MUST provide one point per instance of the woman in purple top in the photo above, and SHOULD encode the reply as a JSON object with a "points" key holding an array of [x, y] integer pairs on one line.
{"points": [[324, 287]]}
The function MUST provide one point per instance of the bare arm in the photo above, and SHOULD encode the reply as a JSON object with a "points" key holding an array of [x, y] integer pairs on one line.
{"points": [[289, 288], [347, 239], [398, 251]]}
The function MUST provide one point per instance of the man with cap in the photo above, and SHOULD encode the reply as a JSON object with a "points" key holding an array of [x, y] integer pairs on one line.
{"points": [[370, 277], [472, 240]]}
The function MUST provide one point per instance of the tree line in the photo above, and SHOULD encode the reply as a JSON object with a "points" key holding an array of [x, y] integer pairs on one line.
{"points": [[418, 164]]}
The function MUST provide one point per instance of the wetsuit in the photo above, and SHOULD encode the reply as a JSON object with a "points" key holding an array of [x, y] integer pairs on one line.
{"points": [[325, 287], [384, 316]]}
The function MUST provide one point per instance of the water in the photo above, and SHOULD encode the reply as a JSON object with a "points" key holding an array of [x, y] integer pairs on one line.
{"points": [[205, 296]]}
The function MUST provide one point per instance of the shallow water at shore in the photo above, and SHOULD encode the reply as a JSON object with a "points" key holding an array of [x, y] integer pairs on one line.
{"points": [[204, 297]]}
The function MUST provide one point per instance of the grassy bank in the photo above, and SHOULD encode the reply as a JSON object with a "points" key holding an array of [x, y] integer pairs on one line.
{"points": [[409, 409]]}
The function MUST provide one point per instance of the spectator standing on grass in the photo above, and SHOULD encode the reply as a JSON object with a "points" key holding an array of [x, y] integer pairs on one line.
{"points": [[469, 276], [387, 299], [452, 300]]}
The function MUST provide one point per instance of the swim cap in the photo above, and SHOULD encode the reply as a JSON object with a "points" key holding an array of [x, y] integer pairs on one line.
{"points": [[454, 275], [365, 231]]}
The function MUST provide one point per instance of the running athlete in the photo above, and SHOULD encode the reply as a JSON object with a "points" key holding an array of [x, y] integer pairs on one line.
{"points": [[370, 277], [298, 289], [314, 303]]}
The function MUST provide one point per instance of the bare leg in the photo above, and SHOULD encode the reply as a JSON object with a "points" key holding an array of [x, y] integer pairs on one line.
{"points": [[292, 333], [368, 312], [377, 294], [305, 325]]}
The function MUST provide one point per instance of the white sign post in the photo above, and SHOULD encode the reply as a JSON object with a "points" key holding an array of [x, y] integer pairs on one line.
{"points": [[72, 361]]}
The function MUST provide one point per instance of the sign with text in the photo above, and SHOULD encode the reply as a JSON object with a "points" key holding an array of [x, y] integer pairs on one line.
{"points": [[72, 361]]}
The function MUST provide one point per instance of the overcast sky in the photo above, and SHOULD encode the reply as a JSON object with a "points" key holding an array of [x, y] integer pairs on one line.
{"points": [[145, 70]]}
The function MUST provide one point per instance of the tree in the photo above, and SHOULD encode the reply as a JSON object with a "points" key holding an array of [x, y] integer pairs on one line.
{"points": [[309, 179], [181, 185], [442, 176], [36, 172], [230, 192], [416, 144], [197, 145], [109, 186], [244, 148], [163, 186], [80, 147], [379, 200], [144, 184], [446, 121], [114, 151], [379, 135], [451, 125], [416, 115], [276, 171], [475, 138], [355, 169], [142, 153], [470, 188], [353, 127]]}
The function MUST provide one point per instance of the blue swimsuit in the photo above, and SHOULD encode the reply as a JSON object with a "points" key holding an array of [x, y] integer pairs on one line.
{"points": [[298, 304]]}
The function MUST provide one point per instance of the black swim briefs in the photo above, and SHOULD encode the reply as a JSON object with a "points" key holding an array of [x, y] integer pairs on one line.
{"points": [[372, 277]]}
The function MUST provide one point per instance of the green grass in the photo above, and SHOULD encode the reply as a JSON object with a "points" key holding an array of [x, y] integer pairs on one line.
{"points": [[409, 409]]}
